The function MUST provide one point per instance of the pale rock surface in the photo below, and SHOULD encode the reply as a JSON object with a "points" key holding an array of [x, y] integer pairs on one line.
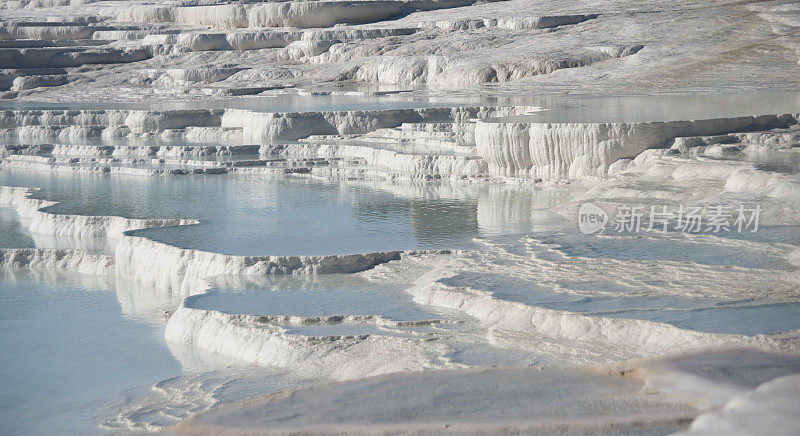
{"points": [[134, 49]]}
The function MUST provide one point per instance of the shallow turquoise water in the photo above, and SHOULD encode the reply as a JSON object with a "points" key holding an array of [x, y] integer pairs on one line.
{"points": [[287, 216], [324, 295], [68, 353], [12, 233]]}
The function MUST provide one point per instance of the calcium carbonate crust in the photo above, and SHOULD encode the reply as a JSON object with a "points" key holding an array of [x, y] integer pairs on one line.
{"points": [[475, 142], [153, 263]]}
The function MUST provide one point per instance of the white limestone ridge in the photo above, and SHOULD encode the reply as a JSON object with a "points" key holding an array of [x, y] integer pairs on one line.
{"points": [[620, 336], [79, 261], [773, 405], [572, 338], [222, 124], [176, 271], [409, 164], [172, 269], [83, 226], [767, 184], [185, 270], [126, 166], [260, 340], [87, 50], [436, 142], [553, 150], [282, 14]]}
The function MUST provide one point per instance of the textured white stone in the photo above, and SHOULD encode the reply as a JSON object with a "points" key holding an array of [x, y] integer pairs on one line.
{"points": [[574, 150]]}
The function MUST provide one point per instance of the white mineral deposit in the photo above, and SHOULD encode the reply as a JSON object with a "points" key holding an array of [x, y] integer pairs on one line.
{"points": [[250, 217]]}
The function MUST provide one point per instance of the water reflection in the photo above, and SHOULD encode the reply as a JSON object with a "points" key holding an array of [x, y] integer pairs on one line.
{"points": [[295, 216]]}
